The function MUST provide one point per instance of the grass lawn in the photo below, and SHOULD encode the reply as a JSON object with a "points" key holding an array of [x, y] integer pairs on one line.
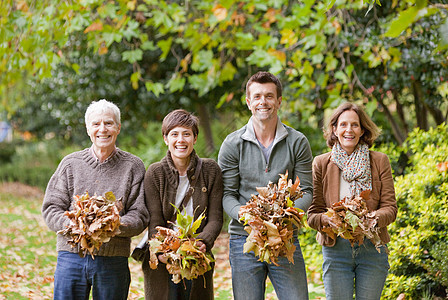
{"points": [[28, 252]]}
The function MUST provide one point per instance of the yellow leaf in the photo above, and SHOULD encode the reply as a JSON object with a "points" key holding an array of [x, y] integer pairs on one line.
{"points": [[131, 4], [22, 6]]}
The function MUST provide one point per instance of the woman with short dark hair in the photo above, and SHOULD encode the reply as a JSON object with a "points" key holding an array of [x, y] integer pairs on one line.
{"points": [[166, 183]]}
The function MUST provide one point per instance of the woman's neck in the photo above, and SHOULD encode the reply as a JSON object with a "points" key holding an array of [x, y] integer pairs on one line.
{"points": [[182, 165]]}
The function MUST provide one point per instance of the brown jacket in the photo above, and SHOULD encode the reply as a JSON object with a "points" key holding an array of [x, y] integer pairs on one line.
{"points": [[326, 192], [161, 182]]}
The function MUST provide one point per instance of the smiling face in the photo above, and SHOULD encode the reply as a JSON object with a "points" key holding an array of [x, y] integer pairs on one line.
{"points": [[103, 131], [348, 130], [263, 101], [180, 142]]}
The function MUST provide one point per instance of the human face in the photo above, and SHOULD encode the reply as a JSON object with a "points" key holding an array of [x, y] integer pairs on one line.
{"points": [[263, 101], [180, 142], [103, 131], [348, 130]]}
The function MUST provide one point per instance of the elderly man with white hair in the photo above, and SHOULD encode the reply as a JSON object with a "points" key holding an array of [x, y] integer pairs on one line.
{"points": [[98, 169]]}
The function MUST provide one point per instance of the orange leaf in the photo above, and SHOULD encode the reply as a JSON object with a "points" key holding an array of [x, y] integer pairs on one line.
{"points": [[94, 27], [443, 166], [220, 12]]}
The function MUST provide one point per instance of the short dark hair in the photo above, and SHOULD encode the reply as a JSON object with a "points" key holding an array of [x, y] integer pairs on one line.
{"points": [[264, 77], [182, 118], [371, 131]]}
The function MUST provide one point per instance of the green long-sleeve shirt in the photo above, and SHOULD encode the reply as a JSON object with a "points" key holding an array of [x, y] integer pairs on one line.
{"points": [[245, 168]]}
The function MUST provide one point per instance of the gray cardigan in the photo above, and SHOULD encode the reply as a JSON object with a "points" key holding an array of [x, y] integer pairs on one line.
{"points": [[245, 168], [123, 174]]}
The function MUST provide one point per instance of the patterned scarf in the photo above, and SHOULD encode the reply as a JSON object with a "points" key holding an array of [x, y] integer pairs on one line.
{"points": [[355, 168]]}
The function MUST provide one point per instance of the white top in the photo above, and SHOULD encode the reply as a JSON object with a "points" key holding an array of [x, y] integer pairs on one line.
{"points": [[181, 191], [344, 187]]}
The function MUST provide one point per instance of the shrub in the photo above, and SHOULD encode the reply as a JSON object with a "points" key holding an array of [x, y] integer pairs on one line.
{"points": [[418, 247], [32, 163]]}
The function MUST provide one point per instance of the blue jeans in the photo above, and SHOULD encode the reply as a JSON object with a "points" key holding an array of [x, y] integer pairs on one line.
{"points": [[359, 269], [108, 277], [249, 275]]}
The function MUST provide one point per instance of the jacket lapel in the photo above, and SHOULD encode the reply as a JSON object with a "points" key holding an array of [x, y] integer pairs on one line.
{"points": [[333, 183]]}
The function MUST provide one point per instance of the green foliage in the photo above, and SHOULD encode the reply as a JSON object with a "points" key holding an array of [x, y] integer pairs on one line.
{"points": [[33, 163], [7, 150], [418, 247]]}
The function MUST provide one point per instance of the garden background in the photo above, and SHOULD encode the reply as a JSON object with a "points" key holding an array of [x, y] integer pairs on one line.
{"points": [[150, 57]]}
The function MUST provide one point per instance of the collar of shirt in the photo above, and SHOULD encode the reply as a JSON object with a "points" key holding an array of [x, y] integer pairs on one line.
{"points": [[96, 157]]}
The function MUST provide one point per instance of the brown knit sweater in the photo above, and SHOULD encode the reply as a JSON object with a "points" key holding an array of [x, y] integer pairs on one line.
{"points": [[79, 172], [161, 182]]}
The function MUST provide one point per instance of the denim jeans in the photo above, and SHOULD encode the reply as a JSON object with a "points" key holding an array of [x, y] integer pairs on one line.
{"points": [[108, 277], [249, 275], [359, 269]]}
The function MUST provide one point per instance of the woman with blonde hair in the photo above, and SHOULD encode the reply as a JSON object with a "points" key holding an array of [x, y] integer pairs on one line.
{"points": [[347, 170]]}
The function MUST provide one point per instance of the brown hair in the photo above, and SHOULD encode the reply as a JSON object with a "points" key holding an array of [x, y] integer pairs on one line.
{"points": [[182, 118], [371, 131], [264, 77]]}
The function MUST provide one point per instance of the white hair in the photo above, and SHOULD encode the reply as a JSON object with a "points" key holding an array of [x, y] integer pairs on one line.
{"points": [[102, 106]]}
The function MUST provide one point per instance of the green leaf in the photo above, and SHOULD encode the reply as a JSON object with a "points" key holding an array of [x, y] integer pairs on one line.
{"points": [[148, 45], [156, 88], [352, 219], [202, 60], [402, 22], [135, 77], [371, 107], [131, 30], [196, 224], [133, 55], [165, 46], [176, 83]]}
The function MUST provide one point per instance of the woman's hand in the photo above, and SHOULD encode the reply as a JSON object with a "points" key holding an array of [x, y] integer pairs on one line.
{"points": [[325, 220], [202, 247], [162, 258]]}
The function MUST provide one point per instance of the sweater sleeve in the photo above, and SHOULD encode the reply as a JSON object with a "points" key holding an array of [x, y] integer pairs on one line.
{"points": [[57, 198], [303, 169], [318, 206], [153, 200], [136, 216], [214, 216], [228, 160]]}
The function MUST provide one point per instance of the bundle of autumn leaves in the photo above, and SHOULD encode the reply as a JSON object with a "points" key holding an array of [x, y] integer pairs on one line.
{"points": [[271, 218], [94, 220], [350, 219], [183, 257]]}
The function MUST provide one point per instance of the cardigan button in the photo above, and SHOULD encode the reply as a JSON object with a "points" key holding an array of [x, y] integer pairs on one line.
{"points": [[204, 189], [193, 177]]}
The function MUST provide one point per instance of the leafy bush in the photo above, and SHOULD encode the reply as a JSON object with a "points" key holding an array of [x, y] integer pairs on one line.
{"points": [[33, 163], [7, 151], [418, 257]]}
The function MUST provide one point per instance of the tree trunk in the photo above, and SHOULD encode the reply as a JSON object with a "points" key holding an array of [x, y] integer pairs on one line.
{"points": [[204, 118], [420, 109], [399, 136], [400, 112], [436, 114]]}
